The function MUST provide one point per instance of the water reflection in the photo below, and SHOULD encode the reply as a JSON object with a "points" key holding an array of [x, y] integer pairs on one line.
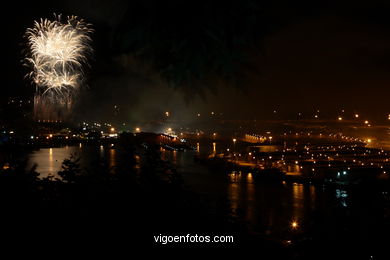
{"points": [[234, 194], [101, 151], [271, 209], [51, 166], [112, 159], [174, 157], [241, 193], [49, 160], [342, 195], [297, 201], [312, 197], [266, 208], [251, 197]]}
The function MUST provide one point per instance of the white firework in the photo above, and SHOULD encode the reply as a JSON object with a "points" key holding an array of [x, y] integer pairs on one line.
{"points": [[57, 53]]}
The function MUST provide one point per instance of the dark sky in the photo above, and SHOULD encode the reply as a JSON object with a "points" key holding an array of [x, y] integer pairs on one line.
{"points": [[292, 57]]}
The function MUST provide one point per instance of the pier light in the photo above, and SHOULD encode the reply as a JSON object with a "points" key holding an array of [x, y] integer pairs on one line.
{"points": [[112, 129], [340, 118], [366, 122], [137, 129], [234, 140], [356, 115]]}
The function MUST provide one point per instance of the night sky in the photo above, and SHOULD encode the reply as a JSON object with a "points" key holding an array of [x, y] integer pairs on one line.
{"points": [[242, 58]]}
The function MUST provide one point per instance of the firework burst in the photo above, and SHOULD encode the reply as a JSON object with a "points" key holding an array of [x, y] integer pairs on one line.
{"points": [[57, 54]]}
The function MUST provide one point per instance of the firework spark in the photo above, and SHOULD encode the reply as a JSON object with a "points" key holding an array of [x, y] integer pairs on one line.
{"points": [[57, 54]]}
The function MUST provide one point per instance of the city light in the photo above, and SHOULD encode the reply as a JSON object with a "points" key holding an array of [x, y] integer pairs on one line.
{"points": [[283, 142], [294, 225]]}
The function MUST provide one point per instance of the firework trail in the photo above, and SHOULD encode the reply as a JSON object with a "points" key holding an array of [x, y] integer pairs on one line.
{"points": [[57, 53]]}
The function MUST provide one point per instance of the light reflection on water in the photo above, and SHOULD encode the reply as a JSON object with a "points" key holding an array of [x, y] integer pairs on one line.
{"points": [[49, 160], [266, 208], [112, 158]]}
